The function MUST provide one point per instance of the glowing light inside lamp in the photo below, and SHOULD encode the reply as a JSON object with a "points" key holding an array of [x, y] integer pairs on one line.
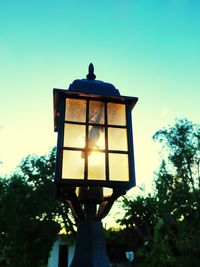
{"points": [[73, 165], [118, 167], [95, 145], [74, 135], [96, 137], [75, 110], [96, 141], [96, 166]]}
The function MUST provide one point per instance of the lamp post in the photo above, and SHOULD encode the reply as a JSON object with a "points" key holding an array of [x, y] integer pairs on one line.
{"points": [[95, 158]]}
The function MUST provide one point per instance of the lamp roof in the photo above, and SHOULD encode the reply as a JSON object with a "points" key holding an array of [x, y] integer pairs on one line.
{"points": [[92, 86]]}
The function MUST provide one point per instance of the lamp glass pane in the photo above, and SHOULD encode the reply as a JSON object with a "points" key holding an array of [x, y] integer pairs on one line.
{"points": [[117, 139], [96, 137], [73, 165], [118, 167], [116, 114], [75, 110], [96, 112], [74, 135], [96, 166]]}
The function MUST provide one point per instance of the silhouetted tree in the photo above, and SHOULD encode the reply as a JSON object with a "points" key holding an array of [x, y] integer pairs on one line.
{"points": [[172, 213], [31, 216]]}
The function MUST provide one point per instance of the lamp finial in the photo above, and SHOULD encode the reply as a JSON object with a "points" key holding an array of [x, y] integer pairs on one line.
{"points": [[91, 75]]}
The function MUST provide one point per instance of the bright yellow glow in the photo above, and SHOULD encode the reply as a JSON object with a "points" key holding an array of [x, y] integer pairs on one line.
{"points": [[96, 166], [73, 165], [118, 167], [74, 135], [117, 139], [96, 137]]}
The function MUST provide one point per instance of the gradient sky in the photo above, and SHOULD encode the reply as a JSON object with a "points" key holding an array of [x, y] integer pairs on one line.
{"points": [[146, 48]]}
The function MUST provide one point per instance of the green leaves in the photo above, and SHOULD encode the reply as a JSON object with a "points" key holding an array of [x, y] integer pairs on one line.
{"points": [[31, 216], [169, 219], [182, 142]]}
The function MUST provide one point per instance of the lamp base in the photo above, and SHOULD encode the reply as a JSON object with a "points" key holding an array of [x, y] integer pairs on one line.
{"points": [[90, 248]]}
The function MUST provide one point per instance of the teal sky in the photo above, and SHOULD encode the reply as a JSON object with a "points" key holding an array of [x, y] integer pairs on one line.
{"points": [[146, 48]]}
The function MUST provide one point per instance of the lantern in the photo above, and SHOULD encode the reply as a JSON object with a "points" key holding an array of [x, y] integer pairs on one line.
{"points": [[95, 157]]}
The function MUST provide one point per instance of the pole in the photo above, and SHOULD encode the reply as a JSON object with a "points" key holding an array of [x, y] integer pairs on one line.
{"points": [[90, 248]]}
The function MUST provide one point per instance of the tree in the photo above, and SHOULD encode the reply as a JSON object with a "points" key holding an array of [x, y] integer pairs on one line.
{"points": [[177, 182], [172, 213], [177, 188], [31, 217], [140, 215], [182, 143]]}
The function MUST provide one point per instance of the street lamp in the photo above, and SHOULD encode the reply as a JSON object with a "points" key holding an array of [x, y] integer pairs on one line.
{"points": [[95, 158]]}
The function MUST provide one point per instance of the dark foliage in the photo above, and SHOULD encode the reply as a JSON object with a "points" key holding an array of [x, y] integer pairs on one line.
{"points": [[31, 216], [167, 222]]}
